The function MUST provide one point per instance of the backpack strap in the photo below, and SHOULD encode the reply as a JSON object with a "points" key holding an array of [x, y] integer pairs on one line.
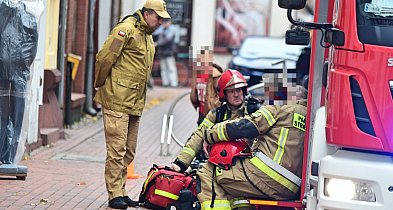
{"points": [[253, 104], [220, 113], [213, 191], [192, 178], [149, 182], [135, 15], [191, 183]]}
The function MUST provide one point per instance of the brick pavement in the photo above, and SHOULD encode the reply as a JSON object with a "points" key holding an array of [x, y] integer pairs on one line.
{"points": [[70, 174]]}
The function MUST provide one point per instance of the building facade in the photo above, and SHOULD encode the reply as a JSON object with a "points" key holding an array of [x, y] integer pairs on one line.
{"points": [[64, 66]]}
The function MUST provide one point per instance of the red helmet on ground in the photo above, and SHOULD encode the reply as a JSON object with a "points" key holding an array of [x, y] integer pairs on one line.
{"points": [[230, 79], [222, 154]]}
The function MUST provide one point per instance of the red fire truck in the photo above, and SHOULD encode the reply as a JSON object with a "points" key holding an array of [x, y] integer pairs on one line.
{"points": [[348, 159]]}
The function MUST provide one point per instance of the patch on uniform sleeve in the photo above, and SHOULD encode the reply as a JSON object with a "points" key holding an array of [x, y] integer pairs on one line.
{"points": [[299, 121], [218, 171], [256, 114], [116, 45], [121, 33]]}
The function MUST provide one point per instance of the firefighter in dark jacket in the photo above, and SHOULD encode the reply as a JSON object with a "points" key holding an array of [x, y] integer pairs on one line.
{"points": [[232, 88], [123, 68], [273, 169]]}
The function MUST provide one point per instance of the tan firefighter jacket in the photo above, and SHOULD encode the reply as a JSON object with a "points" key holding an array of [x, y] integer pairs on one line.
{"points": [[123, 66], [279, 131], [195, 142]]}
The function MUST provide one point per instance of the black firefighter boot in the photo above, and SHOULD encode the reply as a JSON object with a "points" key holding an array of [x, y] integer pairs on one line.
{"points": [[118, 203]]}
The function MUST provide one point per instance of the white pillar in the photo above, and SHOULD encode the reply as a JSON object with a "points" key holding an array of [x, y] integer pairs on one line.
{"points": [[203, 24], [104, 22], [130, 6]]}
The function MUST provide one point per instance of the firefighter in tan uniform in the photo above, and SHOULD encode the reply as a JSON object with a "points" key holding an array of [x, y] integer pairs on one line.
{"points": [[234, 106], [123, 66], [273, 170]]}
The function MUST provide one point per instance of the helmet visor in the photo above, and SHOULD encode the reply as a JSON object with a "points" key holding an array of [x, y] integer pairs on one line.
{"points": [[238, 85]]}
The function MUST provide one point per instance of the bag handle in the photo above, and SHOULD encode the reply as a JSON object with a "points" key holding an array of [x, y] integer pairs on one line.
{"points": [[192, 182], [149, 182]]}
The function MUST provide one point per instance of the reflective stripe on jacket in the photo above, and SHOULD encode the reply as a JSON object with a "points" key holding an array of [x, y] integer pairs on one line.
{"points": [[279, 131]]}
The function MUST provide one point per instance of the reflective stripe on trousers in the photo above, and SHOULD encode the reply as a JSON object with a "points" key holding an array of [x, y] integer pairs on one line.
{"points": [[218, 205]]}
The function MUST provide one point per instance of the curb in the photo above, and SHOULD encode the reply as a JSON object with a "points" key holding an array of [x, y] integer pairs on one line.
{"points": [[67, 144]]}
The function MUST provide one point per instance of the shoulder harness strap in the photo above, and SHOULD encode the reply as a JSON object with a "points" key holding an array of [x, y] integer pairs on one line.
{"points": [[252, 104], [135, 15], [220, 113]]}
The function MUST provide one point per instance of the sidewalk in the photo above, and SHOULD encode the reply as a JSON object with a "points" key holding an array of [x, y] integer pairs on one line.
{"points": [[70, 174]]}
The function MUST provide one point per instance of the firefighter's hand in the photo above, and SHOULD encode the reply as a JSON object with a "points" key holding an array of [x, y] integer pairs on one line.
{"points": [[175, 167]]}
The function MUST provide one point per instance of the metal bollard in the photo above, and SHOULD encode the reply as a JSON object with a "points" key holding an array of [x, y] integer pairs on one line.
{"points": [[169, 138], [163, 129], [167, 129]]}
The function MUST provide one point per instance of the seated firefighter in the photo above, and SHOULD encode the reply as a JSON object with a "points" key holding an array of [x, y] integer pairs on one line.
{"points": [[232, 89], [273, 168]]}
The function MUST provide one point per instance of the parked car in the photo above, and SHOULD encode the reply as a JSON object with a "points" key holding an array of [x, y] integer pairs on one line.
{"points": [[257, 54]]}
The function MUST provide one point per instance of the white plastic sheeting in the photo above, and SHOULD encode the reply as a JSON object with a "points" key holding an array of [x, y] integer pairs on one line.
{"points": [[18, 48]]}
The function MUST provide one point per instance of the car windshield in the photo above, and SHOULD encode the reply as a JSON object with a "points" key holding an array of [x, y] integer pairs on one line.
{"points": [[375, 22], [255, 47]]}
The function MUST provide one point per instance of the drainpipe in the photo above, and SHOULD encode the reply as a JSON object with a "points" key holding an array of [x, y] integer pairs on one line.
{"points": [[90, 62], [62, 54]]}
